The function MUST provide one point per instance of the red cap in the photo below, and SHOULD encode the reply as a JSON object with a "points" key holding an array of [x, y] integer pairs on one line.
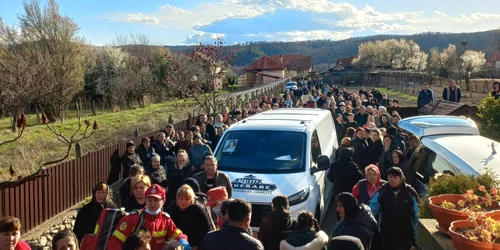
{"points": [[216, 194], [156, 191]]}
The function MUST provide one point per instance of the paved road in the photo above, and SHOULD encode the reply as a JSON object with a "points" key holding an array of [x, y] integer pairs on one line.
{"points": [[330, 219]]}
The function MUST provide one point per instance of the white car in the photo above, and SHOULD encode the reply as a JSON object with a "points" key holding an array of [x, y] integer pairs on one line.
{"points": [[450, 144], [290, 85], [280, 152]]}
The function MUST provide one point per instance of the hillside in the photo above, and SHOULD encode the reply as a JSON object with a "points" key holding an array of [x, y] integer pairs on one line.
{"points": [[249, 52]]}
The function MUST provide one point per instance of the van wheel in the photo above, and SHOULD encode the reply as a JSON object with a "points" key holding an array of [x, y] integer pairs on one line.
{"points": [[317, 213]]}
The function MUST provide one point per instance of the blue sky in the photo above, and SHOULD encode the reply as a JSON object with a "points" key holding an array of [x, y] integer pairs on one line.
{"points": [[177, 22]]}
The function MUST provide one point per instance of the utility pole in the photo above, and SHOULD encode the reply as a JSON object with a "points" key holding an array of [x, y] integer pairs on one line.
{"points": [[328, 59]]}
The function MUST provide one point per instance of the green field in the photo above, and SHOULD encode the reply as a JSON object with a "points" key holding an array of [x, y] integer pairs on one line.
{"points": [[38, 144]]}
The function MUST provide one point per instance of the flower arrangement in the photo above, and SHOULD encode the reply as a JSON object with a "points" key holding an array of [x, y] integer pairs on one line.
{"points": [[472, 202]]}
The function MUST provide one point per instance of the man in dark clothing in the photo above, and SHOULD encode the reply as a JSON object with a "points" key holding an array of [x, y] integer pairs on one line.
{"points": [[496, 90], [234, 235], [360, 146], [362, 117], [276, 223], [344, 173], [452, 93], [210, 129], [396, 206], [88, 215], [125, 188], [321, 101], [425, 96], [346, 243], [145, 151], [339, 127], [351, 123], [211, 177]]}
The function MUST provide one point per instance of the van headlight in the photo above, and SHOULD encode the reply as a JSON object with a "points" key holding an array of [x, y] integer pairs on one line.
{"points": [[299, 197]]}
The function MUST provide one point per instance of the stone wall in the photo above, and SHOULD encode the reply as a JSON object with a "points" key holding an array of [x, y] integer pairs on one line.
{"points": [[44, 241]]}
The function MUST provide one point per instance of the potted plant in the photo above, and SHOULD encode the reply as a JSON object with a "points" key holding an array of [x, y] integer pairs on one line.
{"points": [[447, 208], [479, 232]]}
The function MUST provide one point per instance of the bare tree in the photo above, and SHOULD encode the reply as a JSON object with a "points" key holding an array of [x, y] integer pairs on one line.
{"points": [[84, 131], [199, 74]]}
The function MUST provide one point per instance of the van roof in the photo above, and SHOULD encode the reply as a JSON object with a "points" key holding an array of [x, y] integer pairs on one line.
{"points": [[282, 119], [438, 125]]}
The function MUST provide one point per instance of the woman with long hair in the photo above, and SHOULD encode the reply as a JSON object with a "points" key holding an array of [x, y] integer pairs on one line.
{"points": [[308, 234], [65, 240], [275, 223]]}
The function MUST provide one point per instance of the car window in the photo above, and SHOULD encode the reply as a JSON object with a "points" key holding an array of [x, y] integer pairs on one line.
{"points": [[315, 147], [428, 163], [262, 151]]}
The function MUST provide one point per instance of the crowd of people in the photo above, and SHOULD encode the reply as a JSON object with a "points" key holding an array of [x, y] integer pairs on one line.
{"points": [[177, 197]]}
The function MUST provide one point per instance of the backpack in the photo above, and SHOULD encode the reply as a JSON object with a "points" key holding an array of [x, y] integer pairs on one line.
{"points": [[106, 225]]}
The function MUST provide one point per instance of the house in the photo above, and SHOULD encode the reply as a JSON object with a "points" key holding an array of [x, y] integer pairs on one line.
{"points": [[265, 70], [269, 69], [295, 64], [493, 62]]}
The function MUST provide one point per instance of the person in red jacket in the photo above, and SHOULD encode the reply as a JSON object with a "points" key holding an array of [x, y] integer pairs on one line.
{"points": [[366, 188], [10, 233], [156, 222]]}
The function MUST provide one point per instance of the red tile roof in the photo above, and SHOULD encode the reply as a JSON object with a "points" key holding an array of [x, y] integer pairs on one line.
{"points": [[265, 63], [494, 58], [295, 62]]}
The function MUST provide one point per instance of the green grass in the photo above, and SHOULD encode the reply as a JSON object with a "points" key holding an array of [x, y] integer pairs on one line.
{"points": [[38, 144], [392, 93]]}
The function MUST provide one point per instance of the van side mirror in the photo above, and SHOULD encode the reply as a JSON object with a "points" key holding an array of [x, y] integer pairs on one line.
{"points": [[323, 162]]}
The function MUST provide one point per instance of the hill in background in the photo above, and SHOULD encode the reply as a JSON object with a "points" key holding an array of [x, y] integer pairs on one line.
{"points": [[251, 51]]}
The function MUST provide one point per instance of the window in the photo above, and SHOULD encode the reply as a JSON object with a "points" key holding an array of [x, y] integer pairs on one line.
{"points": [[428, 163], [262, 151], [315, 147]]}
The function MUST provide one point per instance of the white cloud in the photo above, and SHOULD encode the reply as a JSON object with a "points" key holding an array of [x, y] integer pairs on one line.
{"points": [[173, 9], [140, 18], [296, 35], [202, 37]]}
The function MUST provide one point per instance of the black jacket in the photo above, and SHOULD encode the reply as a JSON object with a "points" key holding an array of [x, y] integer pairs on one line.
{"points": [[125, 192], [175, 179], [374, 151], [230, 238], [273, 227], [88, 215], [360, 146], [362, 226], [193, 222], [157, 175], [128, 160], [132, 204], [344, 173], [340, 130], [145, 154]]}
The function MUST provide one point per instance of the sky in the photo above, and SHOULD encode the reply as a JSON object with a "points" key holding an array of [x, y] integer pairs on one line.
{"points": [[182, 22]]}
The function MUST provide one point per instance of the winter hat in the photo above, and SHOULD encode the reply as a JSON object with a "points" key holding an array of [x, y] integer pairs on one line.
{"points": [[216, 194], [196, 136], [346, 243], [130, 144], [391, 130], [193, 184], [156, 191]]}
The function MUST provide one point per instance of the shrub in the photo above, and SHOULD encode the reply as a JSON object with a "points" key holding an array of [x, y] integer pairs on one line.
{"points": [[489, 111], [459, 184]]}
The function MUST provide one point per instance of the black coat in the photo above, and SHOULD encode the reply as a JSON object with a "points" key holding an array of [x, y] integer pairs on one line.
{"points": [[128, 160], [193, 222], [230, 238], [175, 179], [374, 151], [360, 147], [273, 227], [157, 175], [145, 154], [88, 215], [344, 173], [340, 130], [132, 204], [125, 192], [362, 226]]}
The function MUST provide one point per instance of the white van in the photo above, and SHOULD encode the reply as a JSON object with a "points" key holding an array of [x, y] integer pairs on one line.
{"points": [[280, 152]]}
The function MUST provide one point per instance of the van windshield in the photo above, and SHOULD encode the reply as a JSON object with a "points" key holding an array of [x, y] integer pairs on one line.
{"points": [[261, 151]]}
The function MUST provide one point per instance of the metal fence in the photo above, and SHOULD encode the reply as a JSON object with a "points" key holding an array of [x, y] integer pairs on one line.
{"points": [[72, 181]]}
